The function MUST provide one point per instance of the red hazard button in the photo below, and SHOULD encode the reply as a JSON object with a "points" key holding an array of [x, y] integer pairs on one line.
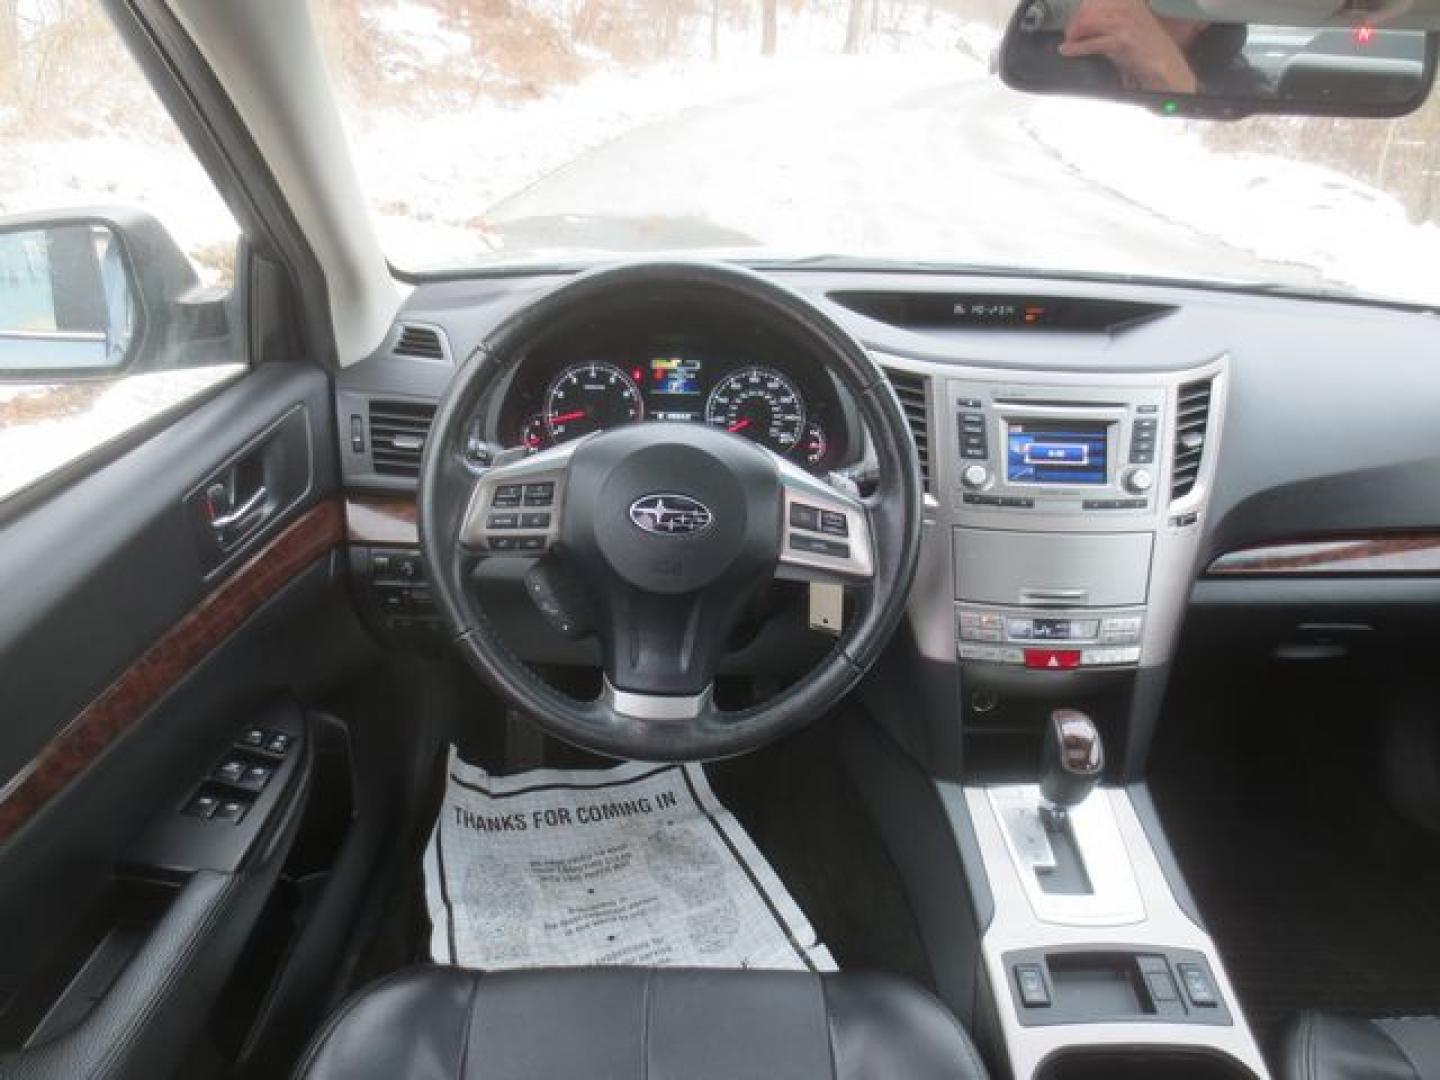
{"points": [[1052, 659]]}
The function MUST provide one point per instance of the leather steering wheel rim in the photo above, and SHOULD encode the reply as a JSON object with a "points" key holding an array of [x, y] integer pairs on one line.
{"points": [[895, 512]]}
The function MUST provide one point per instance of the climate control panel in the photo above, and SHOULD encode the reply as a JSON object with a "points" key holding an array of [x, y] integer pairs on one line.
{"points": [[1051, 640]]}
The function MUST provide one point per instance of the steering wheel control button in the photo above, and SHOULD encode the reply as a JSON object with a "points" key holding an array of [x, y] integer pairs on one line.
{"points": [[804, 517], [1198, 987], [1052, 659], [530, 543], [818, 545], [535, 521], [502, 543], [1030, 981], [503, 521], [539, 494], [201, 806], [507, 495], [834, 523]]}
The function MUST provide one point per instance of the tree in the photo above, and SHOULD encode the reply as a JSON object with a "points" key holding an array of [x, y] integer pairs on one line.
{"points": [[714, 29], [854, 26], [769, 27], [9, 50]]}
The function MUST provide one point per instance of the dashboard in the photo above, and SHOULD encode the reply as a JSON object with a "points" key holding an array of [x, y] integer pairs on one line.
{"points": [[1088, 469], [750, 381]]}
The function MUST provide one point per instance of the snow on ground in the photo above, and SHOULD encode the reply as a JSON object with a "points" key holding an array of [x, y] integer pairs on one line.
{"points": [[43, 427], [433, 175], [1283, 210]]}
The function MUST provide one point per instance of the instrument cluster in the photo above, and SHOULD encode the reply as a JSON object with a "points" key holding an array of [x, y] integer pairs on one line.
{"points": [[791, 408]]}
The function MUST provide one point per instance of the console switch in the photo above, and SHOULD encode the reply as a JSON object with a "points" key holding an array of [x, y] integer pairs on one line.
{"points": [[1198, 987], [1030, 981]]}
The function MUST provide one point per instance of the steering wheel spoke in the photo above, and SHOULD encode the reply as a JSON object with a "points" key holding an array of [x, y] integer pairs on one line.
{"points": [[826, 532], [516, 510]]}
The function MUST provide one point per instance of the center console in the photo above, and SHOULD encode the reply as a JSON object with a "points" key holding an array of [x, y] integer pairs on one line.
{"points": [[1065, 516]]}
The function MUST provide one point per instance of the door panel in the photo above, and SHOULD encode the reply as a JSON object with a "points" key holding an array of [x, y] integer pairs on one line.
{"points": [[136, 641]]}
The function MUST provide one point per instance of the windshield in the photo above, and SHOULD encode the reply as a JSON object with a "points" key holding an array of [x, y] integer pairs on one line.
{"points": [[494, 132]]}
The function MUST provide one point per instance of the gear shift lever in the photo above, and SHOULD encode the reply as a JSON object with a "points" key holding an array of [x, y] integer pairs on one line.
{"points": [[1071, 763]]}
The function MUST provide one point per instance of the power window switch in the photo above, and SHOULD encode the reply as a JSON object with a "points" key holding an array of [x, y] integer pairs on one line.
{"points": [[231, 810], [201, 806], [255, 778], [1198, 987], [277, 743], [1030, 981], [231, 772], [253, 737]]}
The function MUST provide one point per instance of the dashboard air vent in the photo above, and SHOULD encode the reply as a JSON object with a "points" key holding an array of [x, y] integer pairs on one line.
{"points": [[910, 389], [397, 436], [1192, 418], [419, 341]]}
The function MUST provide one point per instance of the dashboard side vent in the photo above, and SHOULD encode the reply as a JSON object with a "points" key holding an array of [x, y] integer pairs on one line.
{"points": [[910, 389], [1191, 420], [419, 341], [397, 436]]}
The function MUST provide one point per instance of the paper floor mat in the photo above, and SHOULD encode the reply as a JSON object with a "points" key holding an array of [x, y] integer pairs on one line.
{"points": [[639, 864]]}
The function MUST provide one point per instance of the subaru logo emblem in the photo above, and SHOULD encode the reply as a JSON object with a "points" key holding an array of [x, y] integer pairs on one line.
{"points": [[670, 515]]}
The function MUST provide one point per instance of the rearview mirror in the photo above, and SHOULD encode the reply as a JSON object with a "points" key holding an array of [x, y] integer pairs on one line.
{"points": [[1195, 58], [66, 302]]}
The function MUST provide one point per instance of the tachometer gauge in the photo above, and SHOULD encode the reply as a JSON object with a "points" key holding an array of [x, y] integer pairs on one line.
{"points": [[760, 404], [590, 397], [535, 435], [814, 446]]}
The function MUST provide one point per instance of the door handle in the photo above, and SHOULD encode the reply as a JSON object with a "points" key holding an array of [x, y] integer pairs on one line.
{"points": [[232, 519]]}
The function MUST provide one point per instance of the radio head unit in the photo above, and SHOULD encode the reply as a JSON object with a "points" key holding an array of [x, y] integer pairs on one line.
{"points": [[1057, 450]]}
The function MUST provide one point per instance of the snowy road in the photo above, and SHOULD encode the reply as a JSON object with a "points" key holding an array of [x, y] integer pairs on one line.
{"points": [[929, 163]]}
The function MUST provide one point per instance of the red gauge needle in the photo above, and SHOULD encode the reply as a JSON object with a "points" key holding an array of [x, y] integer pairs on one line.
{"points": [[565, 418], [738, 425]]}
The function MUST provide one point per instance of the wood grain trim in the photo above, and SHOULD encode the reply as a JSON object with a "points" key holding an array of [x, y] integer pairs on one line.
{"points": [[382, 519], [1402, 553], [164, 664]]}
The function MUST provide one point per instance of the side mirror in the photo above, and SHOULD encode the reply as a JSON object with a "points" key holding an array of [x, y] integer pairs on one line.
{"points": [[93, 293], [1205, 58]]}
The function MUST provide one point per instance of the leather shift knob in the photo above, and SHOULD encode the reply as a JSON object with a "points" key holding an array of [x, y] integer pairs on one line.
{"points": [[1072, 760]]}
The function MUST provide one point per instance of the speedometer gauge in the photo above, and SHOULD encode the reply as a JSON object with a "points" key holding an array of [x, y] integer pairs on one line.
{"points": [[590, 397], [760, 404]]}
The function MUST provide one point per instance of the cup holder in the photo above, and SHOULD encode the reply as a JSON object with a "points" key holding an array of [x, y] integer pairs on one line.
{"points": [[1142, 1063]]}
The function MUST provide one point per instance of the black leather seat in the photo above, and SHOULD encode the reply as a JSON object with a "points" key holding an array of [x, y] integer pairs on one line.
{"points": [[1323, 1046], [441, 1023]]}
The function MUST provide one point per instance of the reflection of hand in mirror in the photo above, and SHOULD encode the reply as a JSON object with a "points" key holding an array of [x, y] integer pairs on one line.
{"points": [[1148, 51]]}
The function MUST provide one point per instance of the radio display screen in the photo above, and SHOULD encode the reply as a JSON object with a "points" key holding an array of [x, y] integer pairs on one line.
{"points": [[1056, 451]]}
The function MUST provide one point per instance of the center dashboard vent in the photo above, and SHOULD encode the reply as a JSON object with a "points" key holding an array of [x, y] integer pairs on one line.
{"points": [[1191, 421], [398, 430], [422, 342], [911, 390]]}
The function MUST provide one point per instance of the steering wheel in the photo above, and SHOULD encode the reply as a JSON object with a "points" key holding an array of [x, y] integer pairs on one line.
{"points": [[671, 528]]}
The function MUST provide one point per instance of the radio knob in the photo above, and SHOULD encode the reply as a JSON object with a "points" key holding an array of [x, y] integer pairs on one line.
{"points": [[975, 476], [1139, 481]]}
